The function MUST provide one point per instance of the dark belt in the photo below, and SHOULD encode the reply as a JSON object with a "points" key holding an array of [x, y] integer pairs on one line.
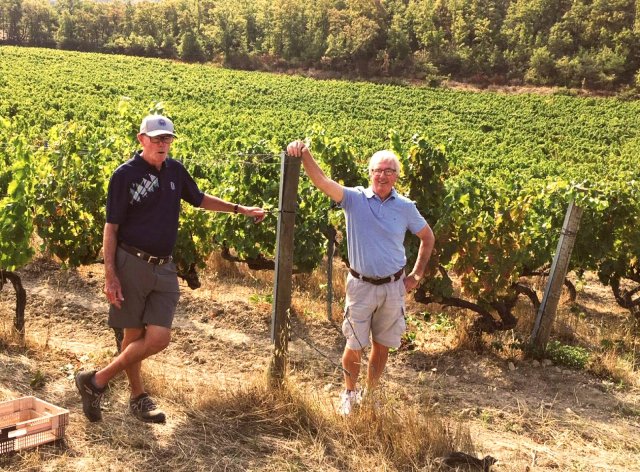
{"points": [[134, 251], [383, 280]]}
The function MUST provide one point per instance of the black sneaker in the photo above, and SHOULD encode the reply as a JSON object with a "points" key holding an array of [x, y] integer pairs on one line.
{"points": [[143, 408], [91, 395]]}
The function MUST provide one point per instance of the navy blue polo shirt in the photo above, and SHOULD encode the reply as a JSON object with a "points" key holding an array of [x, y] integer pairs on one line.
{"points": [[145, 203]]}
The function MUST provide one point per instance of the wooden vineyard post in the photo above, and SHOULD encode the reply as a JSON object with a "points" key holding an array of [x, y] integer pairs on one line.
{"points": [[331, 244], [331, 250], [287, 206], [547, 311]]}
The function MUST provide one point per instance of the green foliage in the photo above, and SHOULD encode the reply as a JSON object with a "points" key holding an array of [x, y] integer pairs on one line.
{"points": [[69, 193], [577, 43], [443, 323], [425, 170], [252, 179], [340, 159], [190, 48], [65, 36], [542, 70], [261, 298], [16, 219], [169, 48], [571, 356], [138, 45], [493, 174]]}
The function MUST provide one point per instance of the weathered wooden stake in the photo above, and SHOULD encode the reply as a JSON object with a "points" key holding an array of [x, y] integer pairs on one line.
{"points": [[289, 178], [331, 246], [547, 311]]}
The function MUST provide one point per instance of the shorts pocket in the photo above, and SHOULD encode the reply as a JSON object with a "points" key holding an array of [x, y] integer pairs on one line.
{"points": [[356, 331], [396, 331], [400, 325], [352, 288], [121, 259], [167, 269], [396, 295]]}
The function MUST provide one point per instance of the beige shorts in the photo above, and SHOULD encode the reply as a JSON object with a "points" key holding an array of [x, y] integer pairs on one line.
{"points": [[375, 309], [150, 292]]}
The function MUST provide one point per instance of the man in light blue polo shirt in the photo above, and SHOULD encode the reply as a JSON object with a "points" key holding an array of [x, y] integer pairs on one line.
{"points": [[377, 221]]}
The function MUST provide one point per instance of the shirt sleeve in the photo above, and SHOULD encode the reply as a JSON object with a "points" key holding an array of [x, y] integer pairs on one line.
{"points": [[190, 191], [348, 195], [416, 220], [117, 198]]}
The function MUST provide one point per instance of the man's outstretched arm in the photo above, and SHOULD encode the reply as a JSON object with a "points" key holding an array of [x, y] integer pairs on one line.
{"points": [[211, 203], [331, 188]]}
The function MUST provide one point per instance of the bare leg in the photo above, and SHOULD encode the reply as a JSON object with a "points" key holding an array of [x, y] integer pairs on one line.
{"points": [[377, 362], [134, 371], [351, 363], [153, 340]]}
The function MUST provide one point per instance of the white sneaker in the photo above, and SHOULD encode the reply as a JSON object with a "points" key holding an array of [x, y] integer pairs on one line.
{"points": [[348, 401]]}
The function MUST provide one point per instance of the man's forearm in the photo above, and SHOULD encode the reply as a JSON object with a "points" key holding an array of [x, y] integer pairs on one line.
{"points": [[211, 203], [109, 245], [329, 187], [313, 170], [424, 253], [112, 287], [427, 241]]}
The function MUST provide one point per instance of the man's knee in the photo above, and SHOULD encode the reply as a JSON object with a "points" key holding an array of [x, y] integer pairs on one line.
{"points": [[157, 340], [351, 354], [159, 344], [154, 346]]}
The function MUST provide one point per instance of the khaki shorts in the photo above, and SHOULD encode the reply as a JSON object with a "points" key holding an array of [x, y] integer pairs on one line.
{"points": [[375, 309], [150, 292]]}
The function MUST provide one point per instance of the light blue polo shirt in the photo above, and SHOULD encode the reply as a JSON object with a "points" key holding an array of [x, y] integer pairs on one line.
{"points": [[376, 230]]}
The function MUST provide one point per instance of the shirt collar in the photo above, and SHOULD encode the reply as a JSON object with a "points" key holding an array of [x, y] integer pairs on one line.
{"points": [[138, 159], [368, 192]]}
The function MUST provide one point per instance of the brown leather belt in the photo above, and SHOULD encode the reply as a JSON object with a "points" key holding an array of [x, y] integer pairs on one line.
{"points": [[134, 251], [383, 280]]}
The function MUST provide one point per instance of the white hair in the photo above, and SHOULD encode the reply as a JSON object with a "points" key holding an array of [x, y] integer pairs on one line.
{"points": [[385, 154]]}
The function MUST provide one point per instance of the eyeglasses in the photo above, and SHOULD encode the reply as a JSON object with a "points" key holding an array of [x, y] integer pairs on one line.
{"points": [[388, 172], [167, 139]]}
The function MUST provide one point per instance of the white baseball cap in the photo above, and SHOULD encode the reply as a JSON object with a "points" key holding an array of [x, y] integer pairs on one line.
{"points": [[156, 125]]}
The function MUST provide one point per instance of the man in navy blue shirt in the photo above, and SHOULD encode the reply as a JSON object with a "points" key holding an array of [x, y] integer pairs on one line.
{"points": [[141, 284], [377, 221]]}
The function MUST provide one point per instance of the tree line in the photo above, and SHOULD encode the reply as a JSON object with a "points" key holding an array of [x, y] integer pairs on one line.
{"points": [[592, 44]]}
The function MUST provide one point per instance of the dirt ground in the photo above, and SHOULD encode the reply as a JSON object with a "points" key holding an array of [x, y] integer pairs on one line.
{"points": [[530, 416]]}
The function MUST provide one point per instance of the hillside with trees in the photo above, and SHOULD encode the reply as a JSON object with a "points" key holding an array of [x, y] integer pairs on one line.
{"points": [[570, 43]]}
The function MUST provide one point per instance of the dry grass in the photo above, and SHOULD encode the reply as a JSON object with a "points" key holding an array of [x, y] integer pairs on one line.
{"points": [[387, 436], [609, 336], [381, 439], [238, 423], [9, 337], [620, 370], [252, 427]]}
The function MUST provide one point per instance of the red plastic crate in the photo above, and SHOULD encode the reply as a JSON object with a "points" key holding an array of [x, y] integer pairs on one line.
{"points": [[28, 422]]}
